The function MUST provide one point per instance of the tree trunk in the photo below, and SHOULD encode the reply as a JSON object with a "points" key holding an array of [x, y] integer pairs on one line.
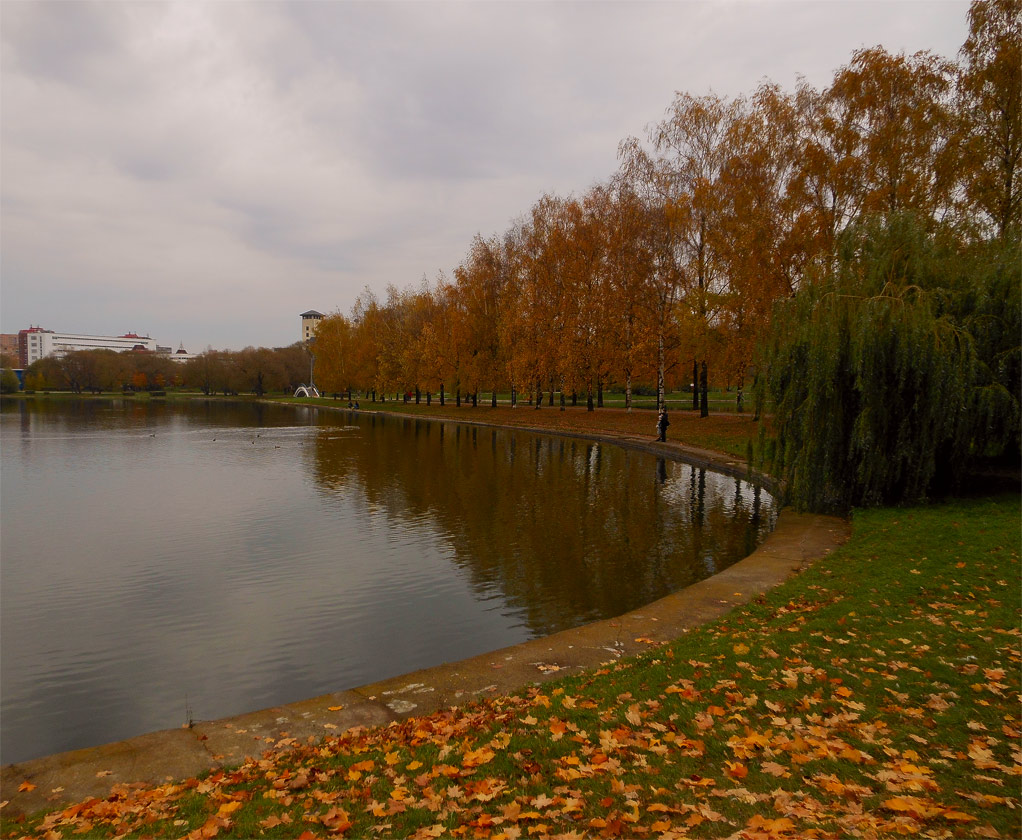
{"points": [[704, 407], [475, 399], [628, 390], [493, 397], [418, 395], [661, 361], [539, 395], [695, 385], [441, 393], [562, 399], [599, 393], [429, 397], [589, 396], [457, 397]]}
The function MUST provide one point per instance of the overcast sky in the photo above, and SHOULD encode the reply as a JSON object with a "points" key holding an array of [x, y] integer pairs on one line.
{"points": [[205, 172]]}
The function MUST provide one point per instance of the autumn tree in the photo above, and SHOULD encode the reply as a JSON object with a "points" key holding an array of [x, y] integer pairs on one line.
{"points": [[482, 281], [260, 370], [990, 102], [9, 383], [367, 338], [654, 186], [900, 130], [293, 362], [334, 367], [628, 265], [763, 237]]}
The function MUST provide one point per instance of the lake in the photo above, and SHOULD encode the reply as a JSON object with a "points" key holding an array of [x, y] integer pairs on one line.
{"points": [[161, 562]]}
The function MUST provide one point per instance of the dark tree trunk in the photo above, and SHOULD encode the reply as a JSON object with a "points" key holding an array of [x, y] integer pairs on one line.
{"points": [[695, 385], [704, 407]]}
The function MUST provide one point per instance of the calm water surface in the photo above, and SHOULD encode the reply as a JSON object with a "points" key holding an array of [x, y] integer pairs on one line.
{"points": [[160, 562]]}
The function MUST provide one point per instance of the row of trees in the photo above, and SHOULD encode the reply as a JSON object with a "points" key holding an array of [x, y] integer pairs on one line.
{"points": [[253, 370], [669, 271]]}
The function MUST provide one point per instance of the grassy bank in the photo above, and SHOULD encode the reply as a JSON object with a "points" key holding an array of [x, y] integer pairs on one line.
{"points": [[728, 433], [876, 694]]}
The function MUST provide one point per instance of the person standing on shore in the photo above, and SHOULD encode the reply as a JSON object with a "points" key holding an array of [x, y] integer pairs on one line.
{"points": [[661, 425]]}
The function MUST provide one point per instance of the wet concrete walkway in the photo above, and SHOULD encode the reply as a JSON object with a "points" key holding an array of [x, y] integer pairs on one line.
{"points": [[51, 781]]}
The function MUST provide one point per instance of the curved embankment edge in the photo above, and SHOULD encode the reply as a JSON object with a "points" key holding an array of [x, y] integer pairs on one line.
{"points": [[51, 781]]}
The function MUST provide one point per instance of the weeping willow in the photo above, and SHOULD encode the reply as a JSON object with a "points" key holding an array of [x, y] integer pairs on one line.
{"points": [[894, 374]]}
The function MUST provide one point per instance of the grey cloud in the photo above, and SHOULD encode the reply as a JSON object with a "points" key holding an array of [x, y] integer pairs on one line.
{"points": [[161, 162], [61, 41]]}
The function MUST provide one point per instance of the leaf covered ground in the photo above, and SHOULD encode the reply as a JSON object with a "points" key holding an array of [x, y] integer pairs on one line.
{"points": [[876, 694]]}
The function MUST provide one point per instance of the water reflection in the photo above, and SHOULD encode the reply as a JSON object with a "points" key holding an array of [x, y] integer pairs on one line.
{"points": [[161, 560], [565, 531]]}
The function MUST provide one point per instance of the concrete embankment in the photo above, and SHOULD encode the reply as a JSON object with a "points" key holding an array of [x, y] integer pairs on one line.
{"points": [[51, 781]]}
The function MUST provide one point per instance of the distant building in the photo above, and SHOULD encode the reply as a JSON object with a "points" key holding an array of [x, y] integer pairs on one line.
{"points": [[310, 321], [181, 355], [36, 343], [9, 344]]}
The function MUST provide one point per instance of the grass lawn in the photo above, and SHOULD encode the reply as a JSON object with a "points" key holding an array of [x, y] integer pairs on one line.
{"points": [[875, 694]]}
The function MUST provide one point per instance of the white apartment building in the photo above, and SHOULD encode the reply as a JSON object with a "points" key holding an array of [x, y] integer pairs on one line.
{"points": [[36, 343]]}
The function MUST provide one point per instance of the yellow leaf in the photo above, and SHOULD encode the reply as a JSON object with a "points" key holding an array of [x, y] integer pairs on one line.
{"points": [[334, 708], [473, 758], [741, 649]]}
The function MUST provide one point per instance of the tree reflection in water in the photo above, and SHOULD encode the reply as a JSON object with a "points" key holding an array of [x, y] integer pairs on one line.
{"points": [[563, 531]]}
